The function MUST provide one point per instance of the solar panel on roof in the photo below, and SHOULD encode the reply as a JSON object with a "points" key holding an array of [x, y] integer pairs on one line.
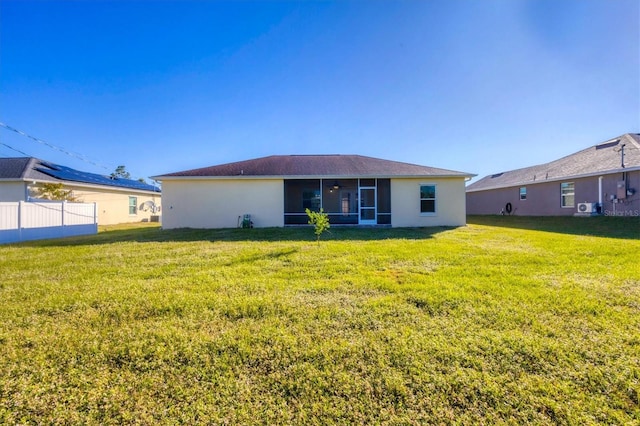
{"points": [[72, 175]]}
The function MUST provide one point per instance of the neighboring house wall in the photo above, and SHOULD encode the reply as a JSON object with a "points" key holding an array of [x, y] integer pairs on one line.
{"points": [[114, 206], [450, 203], [12, 191], [541, 199], [544, 198], [217, 203], [630, 205], [113, 203]]}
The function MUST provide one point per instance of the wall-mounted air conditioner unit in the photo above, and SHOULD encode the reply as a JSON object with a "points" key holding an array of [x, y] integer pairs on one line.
{"points": [[587, 207]]}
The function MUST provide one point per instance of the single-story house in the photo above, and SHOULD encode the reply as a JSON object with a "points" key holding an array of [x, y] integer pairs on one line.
{"points": [[118, 200], [351, 189], [602, 179]]}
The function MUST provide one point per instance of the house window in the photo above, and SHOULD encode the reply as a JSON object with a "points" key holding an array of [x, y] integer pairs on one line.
{"points": [[523, 193], [133, 205], [567, 194], [427, 199]]}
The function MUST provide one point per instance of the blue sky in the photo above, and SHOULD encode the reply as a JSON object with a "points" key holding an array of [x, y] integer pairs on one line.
{"points": [[161, 86]]}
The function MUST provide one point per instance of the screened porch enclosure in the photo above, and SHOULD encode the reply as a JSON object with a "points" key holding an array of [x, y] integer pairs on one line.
{"points": [[346, 201]]}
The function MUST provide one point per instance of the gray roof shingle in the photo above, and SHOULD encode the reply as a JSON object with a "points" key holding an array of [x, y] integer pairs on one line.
{"points": [[602, 158], [22, 168], [316, 165]]}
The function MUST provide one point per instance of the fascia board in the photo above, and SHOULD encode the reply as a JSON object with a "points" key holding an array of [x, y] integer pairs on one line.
{"points": [[270, 177]]}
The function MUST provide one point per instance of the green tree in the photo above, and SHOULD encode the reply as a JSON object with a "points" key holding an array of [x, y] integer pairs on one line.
{"points": [[121, 172], [55, 191], [320, 221]]}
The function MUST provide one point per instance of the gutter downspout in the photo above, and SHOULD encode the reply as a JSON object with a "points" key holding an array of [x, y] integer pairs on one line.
{"points": [[600, 192]]}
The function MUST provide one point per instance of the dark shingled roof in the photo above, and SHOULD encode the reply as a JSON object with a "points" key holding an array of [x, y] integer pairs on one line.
{"points": [[316, 165], [602, 158], [22, 168], [33, 169]]}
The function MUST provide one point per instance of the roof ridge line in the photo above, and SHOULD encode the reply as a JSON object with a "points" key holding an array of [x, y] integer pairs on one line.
{"points": [[632, 139]]}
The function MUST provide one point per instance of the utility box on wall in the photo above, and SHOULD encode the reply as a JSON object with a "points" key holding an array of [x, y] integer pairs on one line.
{"points": [[621, 192]]}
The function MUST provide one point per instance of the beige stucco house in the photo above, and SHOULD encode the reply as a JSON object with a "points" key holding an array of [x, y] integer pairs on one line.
{"points": [[276, 190], [118, 200]]}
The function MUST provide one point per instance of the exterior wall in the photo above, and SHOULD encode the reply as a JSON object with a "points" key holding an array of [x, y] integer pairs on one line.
{"points": [[12, 191], [450, 203], [217, 203], [113, 207], [630, 206], [113, 204], [543, 199]]}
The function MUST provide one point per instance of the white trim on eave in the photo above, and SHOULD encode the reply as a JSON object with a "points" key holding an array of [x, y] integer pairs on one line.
{"points": [[270, 177]]}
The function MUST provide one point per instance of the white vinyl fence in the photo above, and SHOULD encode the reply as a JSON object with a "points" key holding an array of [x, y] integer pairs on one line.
{"points": [[23, 221]]}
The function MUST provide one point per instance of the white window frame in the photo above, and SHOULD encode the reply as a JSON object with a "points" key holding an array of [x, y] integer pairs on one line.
{"points": [[134, 205], [435, 199], [521, 193], [564, 195]]}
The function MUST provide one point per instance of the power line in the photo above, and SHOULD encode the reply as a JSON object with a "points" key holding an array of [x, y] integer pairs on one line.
{"points": [[52, 146], [16, 150]]}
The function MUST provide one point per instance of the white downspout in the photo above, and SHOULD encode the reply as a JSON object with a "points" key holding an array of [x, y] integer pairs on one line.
{"points": [[600, 191]]}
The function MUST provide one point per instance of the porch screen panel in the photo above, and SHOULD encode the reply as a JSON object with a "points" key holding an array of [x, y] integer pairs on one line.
{"points": [[340, 200], [300, 194], [384, 201]]}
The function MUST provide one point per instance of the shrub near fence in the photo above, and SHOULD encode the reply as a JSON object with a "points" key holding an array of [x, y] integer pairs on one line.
{"points": [[23, 221]]}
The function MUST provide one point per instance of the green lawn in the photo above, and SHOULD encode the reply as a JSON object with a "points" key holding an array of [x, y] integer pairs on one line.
{"points": [[508, 320]]}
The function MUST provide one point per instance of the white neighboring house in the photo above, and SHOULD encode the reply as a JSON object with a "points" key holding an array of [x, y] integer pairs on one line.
{"points": [[119, 200], [276, 190]]}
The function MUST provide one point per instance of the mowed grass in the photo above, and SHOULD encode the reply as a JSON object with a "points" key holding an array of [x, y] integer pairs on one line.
{"points": [[507, 320]]}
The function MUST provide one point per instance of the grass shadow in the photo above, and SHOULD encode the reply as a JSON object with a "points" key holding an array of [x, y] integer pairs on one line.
{"points": [[273, 255], [144, 233], [597, 226]]}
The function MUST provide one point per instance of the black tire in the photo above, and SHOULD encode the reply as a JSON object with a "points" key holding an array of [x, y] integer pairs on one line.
{"points": [[508, 208]]}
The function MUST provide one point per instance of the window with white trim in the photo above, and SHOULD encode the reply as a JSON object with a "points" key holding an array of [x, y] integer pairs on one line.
{"points": [[523, 193], [567, 195], [427, 199], [133, 205]]}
